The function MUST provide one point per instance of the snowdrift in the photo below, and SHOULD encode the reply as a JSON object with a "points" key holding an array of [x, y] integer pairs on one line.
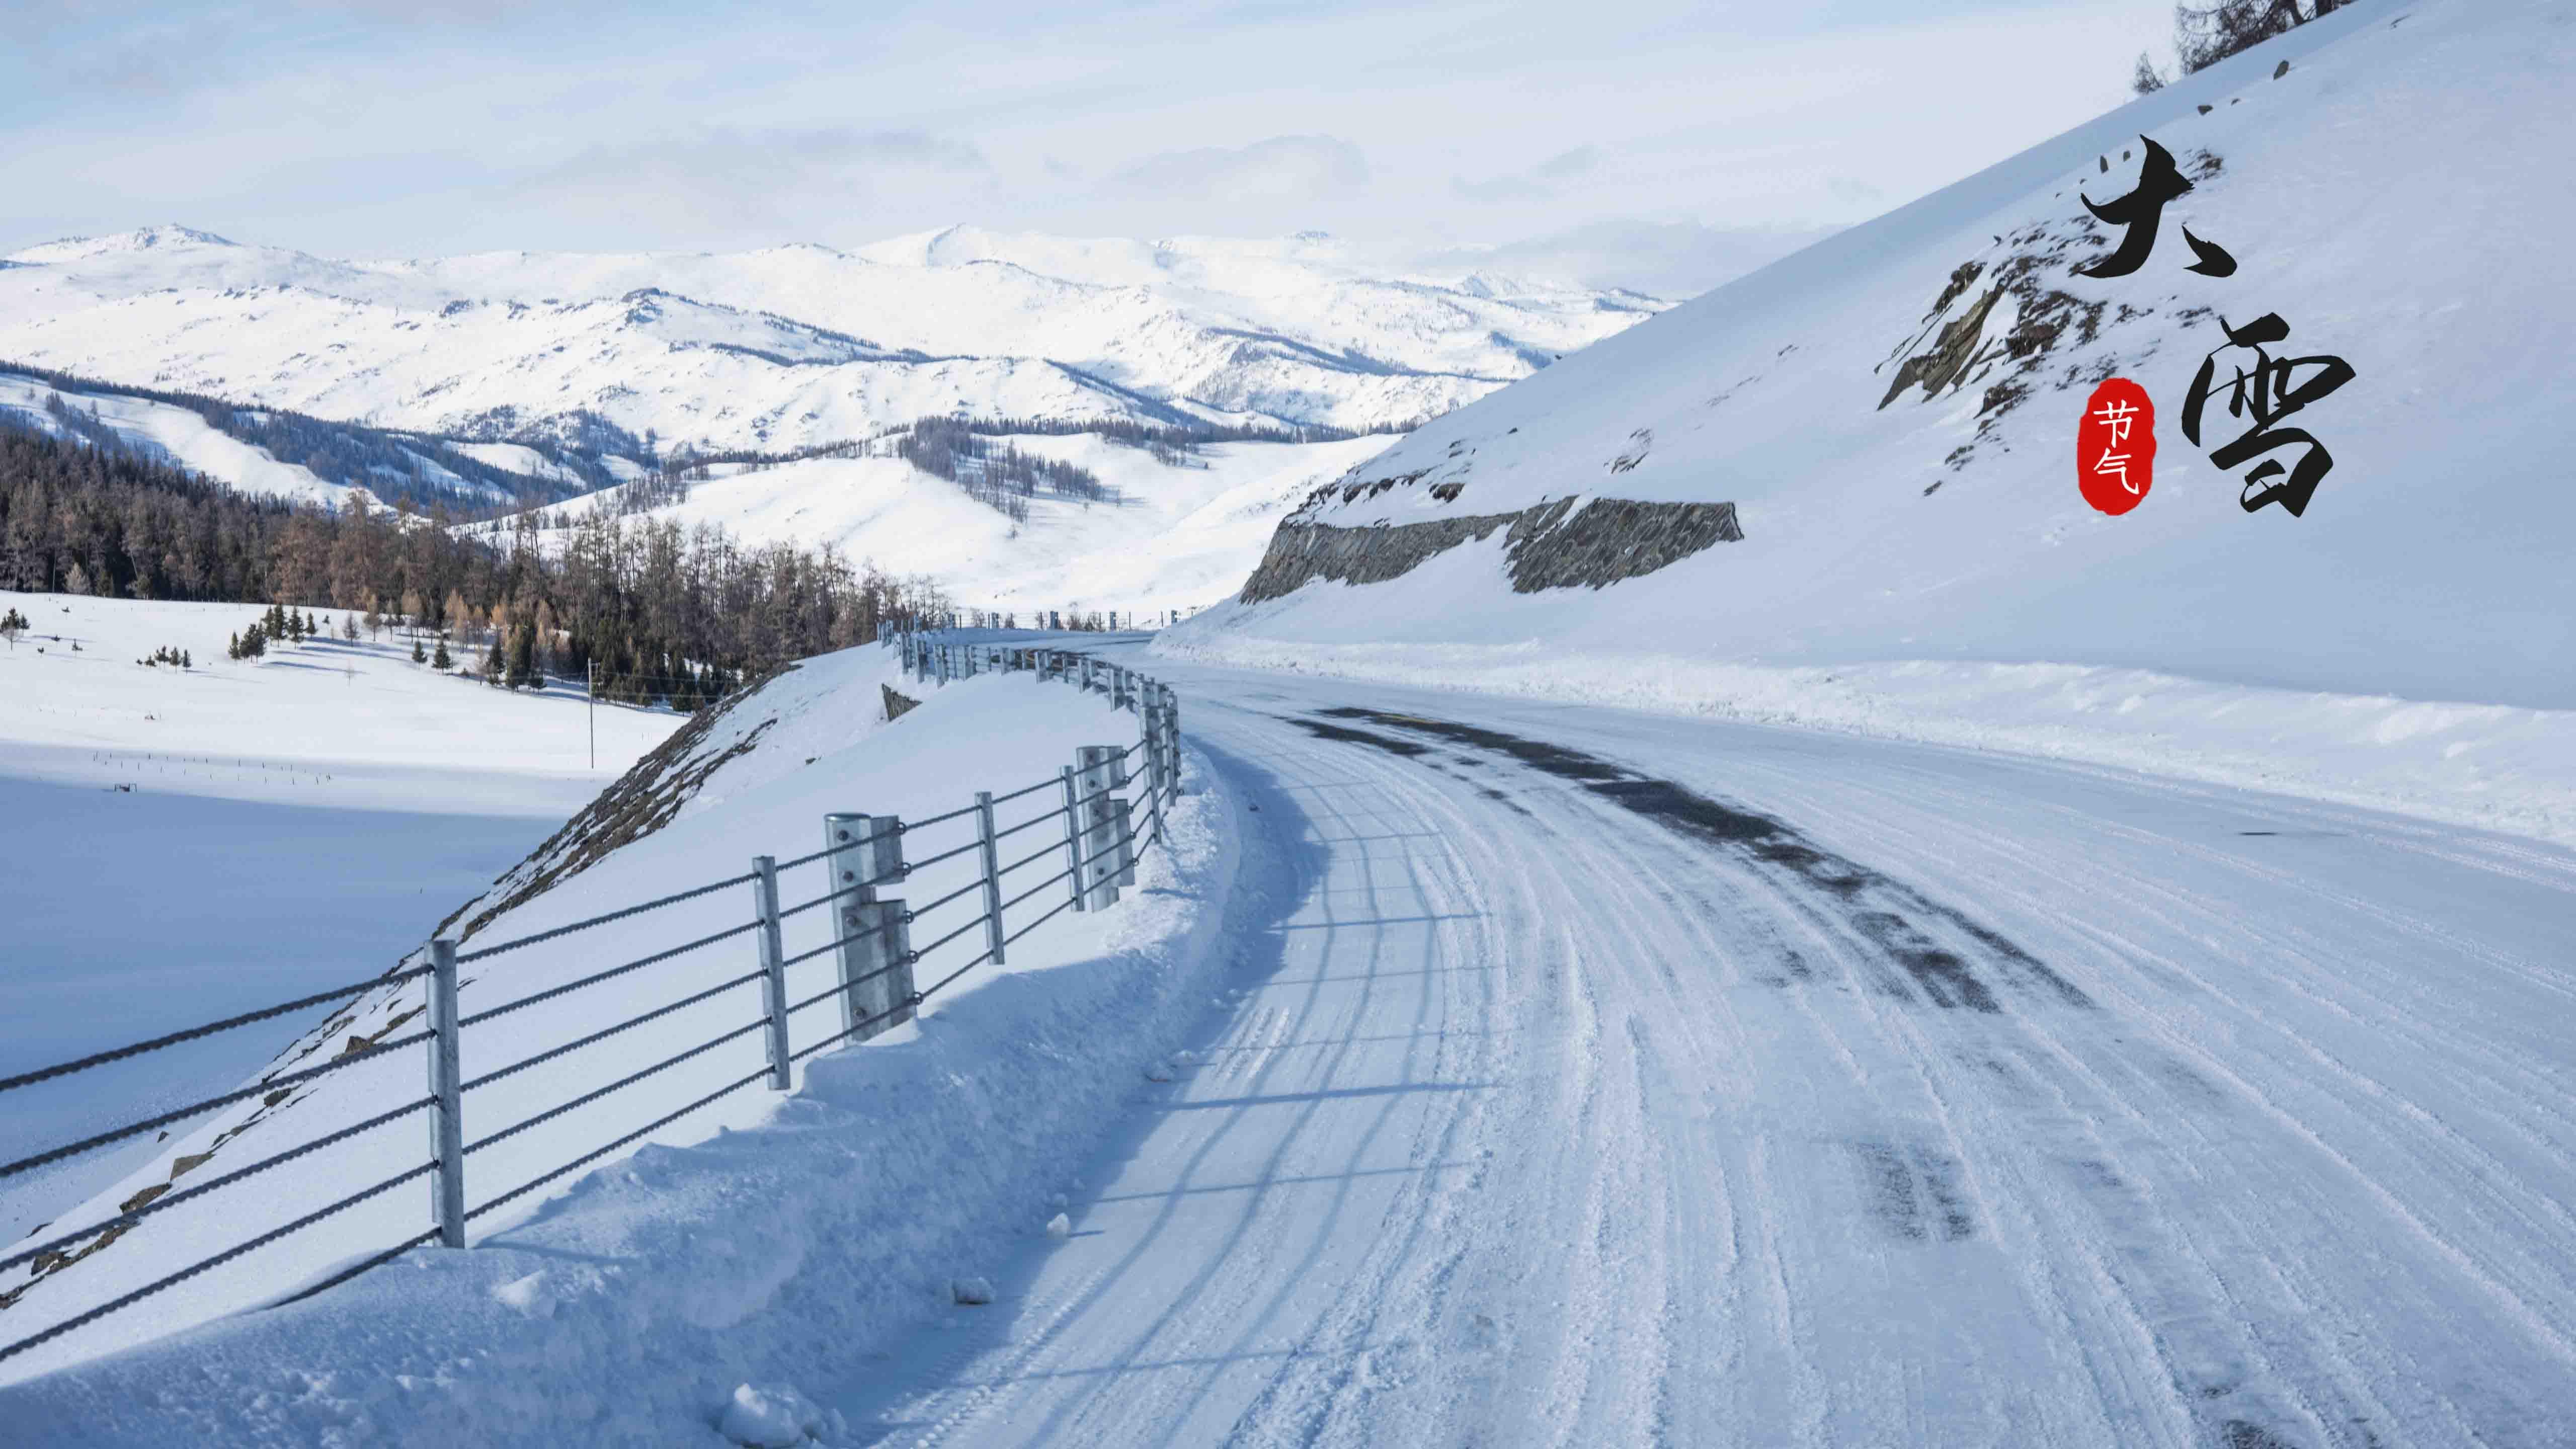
{"points": [[764, 1238], [1892, 415]]}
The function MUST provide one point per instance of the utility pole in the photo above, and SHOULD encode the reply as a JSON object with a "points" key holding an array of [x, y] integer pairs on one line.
{"points": [[590, 687]]}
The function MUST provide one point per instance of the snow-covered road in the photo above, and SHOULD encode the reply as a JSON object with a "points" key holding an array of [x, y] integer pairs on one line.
{"points": [[1598, 1078]]}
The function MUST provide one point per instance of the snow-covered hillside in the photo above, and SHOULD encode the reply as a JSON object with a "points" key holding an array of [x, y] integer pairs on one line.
{"points": [[165, 431], [972, 1111], [791, 346], [1892, 413], [1178, 535], [157, 824]]}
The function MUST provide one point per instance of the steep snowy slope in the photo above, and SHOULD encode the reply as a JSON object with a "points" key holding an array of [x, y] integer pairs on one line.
{"points": [[1892, 414], [794, 345]]}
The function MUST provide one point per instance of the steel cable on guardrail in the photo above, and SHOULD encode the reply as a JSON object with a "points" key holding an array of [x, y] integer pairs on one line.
{"points": [[833, 945], [219, 1259], [604, 1033], [621, 1084], [466, 958], [870, 838], [656, 959], [889, 878], [27, 1079], [587, 1158], [261, 1088], [132, 1216], [917, 912]]}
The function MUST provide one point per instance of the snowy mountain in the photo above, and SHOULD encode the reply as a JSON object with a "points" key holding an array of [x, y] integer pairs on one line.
{"points": [[1891, 418], [1177, 531], [792, 346], [299, 458]]}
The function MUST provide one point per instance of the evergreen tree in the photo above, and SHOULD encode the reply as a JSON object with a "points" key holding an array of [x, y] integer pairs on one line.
{"points": [[417, 657], [522, 659], [438, 661]]}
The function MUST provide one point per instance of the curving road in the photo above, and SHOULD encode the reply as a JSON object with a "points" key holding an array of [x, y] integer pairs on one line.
{"points": [[1595, 1078]]}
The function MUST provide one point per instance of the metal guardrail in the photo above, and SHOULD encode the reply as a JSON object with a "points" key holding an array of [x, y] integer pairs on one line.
{"points": [[1103, 834]]}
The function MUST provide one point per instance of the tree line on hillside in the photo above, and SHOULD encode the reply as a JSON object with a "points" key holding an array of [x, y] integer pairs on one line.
{"points": [[1003, 477], [998, 476], [2210, 31], [656, 610], [393, 465]]}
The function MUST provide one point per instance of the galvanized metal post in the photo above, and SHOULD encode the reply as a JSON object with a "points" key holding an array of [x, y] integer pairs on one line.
{"points": [[992, 872], [876, 943], [1101, 774], [1153, 714], [1123, 853], [773, 974], [446, 1090], [1073, 836]]}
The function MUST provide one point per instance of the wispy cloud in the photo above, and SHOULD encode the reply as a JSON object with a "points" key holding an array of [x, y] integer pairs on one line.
{"points": [[1412, 127]]}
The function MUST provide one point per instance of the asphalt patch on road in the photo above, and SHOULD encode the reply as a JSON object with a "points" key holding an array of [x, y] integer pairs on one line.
{"points": [[1879, 908]]}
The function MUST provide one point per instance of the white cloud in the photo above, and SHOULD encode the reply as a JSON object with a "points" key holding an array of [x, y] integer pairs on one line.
{"points": [[1663, 259], [1266, 186]]}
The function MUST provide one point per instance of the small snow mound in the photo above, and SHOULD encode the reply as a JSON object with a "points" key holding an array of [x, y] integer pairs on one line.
{"points": [[528, 1295], [770, 1416], [971, 1292], [1059, 1227], [1158, 1073]]}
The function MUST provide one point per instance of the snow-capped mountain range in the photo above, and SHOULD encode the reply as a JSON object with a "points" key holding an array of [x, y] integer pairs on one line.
{"points": [[796, 345]]}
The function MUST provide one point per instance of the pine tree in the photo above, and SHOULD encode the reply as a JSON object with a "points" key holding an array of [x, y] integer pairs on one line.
{"points": [[417, 657], [438, 661], [522, 659]]}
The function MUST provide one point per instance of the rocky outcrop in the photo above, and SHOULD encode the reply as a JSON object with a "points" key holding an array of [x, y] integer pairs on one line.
{"points": [[1554, 545]]}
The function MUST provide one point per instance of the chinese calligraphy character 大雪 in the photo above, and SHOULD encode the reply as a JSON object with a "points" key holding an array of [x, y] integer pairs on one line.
{"points": [[2142, 212], [2266, 395]]}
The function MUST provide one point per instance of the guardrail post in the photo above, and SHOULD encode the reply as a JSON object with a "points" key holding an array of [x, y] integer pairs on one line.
{"points": [[1073, 836], [992, 872], [876, 966], [1101, 774], [1153, 763], [773, 974], [446, 1088]]}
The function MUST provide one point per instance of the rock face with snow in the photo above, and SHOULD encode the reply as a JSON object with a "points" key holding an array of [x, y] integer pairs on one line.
{"points": [[1893, 412], [792, 346], [1545, 546]]}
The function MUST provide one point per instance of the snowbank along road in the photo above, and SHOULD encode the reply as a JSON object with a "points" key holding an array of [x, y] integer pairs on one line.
{"points": [[1587, 1077]]}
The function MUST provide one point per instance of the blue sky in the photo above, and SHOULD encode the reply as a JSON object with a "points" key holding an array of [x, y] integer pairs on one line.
{"points": [[1639, 140]]}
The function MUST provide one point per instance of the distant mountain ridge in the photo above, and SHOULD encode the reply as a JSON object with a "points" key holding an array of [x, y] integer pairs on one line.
{"points": [[797, 345]]}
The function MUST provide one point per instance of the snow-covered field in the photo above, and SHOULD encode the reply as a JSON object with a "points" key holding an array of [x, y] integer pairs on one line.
{"points": [[178, 846]]}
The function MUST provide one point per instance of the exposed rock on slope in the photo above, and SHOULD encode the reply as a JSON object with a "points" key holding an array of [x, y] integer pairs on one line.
{"points": [[1554, 545]]}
